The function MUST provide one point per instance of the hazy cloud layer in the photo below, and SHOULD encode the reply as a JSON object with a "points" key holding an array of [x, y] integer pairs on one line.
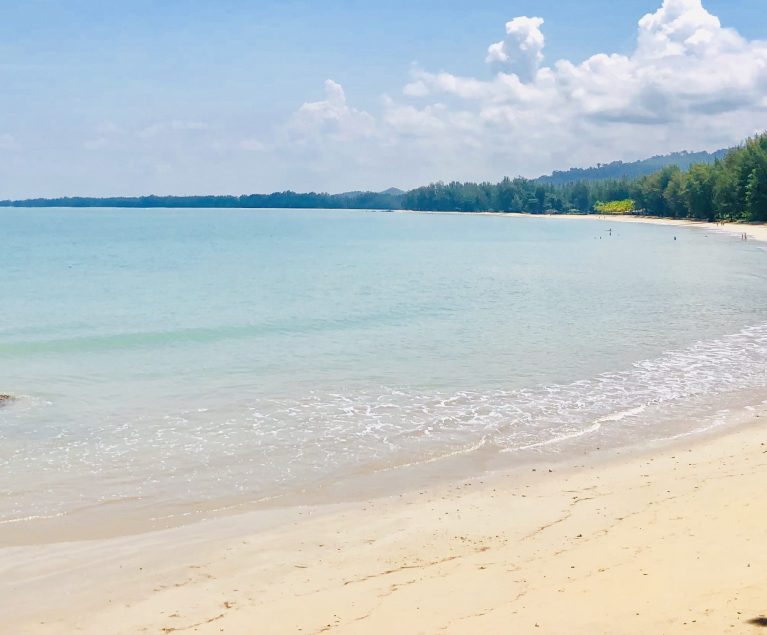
{"points": [[7, 142]]}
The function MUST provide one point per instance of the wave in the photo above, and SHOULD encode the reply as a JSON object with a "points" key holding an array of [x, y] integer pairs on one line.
{"points": [[399, 418], [261, 446]]}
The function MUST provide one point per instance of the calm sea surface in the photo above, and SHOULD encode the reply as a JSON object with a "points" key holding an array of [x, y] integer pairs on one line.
{"points": [[174, 359]]}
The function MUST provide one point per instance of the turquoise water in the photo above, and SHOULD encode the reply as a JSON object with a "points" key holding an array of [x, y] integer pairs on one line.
{"points": [[179, 358]]}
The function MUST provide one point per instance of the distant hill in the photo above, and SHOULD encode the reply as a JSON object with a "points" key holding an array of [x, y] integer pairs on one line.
{"points": [[392, 191], [634, 170], [352, 194]]}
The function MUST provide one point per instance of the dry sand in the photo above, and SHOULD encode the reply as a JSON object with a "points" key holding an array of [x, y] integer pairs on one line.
{"points": [[673, 542], [669, 542]]}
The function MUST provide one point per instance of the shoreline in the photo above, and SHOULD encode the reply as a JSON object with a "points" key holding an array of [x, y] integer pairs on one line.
{"points": [[485, 554], [660, 542], [755, 231], [101, 525]]}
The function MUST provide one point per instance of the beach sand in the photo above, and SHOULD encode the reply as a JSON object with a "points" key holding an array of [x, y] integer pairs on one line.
{"points": [[752, 231], [668, 541], [755, 231]]}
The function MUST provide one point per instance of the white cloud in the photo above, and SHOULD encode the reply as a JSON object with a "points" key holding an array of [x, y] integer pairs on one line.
{"points": [[331, 116], [522, 50], [690, 83], [685, 63], [679, 27]]}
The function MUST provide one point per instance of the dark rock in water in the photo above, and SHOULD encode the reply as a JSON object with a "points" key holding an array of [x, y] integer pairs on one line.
{"points": [[4, 399]]}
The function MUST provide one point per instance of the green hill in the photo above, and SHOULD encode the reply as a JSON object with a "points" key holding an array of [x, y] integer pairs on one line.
{"points": [[634, 170]]}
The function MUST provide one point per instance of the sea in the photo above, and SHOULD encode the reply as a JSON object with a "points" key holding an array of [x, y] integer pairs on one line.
{"points": [[170, 364]]}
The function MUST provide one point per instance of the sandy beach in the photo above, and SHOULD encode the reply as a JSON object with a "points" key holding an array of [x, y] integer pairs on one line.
{"points": [[664, 541], [671, 542], [753, 231], [383, 318]]}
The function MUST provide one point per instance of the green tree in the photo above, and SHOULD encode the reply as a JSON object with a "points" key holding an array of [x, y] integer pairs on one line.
{"points": [[674, 195], [699, 190], [756, 192]]}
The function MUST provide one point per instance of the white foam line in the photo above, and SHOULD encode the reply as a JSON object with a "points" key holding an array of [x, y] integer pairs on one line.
{"points": [[23, 519], [619, 416], [460, 452], [565, 437]]}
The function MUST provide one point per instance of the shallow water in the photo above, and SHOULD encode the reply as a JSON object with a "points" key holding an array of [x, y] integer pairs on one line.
{"points": [[169, 359]]}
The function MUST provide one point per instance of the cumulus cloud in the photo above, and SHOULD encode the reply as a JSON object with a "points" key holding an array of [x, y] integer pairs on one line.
{"points": [[685, 62], [332, 116], [689, 83], [522, 50], [679, 27]]}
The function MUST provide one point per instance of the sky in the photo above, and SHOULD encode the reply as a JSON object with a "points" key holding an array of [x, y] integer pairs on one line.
{"points": [[106, 97]]}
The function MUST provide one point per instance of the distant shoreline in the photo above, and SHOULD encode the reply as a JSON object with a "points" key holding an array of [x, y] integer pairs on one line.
{"points": [[755, 231], [665, 190]]}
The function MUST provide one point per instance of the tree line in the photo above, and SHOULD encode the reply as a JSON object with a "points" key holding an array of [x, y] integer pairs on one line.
{"points": [[733, 187], [279, 200]]}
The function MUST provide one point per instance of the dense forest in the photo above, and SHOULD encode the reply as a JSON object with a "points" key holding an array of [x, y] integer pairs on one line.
{"points": [[732, 187]]}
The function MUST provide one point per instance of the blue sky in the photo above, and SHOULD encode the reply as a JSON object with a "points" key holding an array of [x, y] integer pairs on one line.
{"points": [[199, 96]]}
